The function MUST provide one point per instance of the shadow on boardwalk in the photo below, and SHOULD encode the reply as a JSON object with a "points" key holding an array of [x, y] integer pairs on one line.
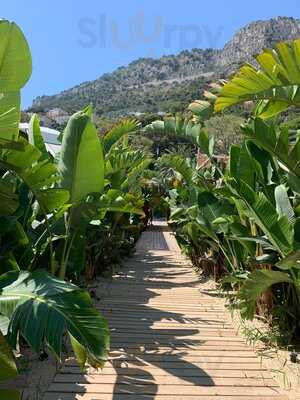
{"points": [[170, 339], [138, 345]]}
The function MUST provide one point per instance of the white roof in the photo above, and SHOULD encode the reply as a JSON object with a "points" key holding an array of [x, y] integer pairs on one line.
{"points": [[50, 137]]}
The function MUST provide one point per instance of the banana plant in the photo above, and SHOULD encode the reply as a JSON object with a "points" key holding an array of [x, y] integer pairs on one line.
{"points": [[27, 183], [192, 129], [258, 233], [276, 142], [42, 309], [81, 163], [267, 193], [119, 132], [35, 137], [178, 126], [35, 305], [181, 167], [124, 166], [90, 201], [15, 70], [274, 85], [261, 280]]}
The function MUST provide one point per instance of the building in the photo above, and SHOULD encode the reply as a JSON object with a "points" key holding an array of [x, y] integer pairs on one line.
{"points": [[50, 137]]}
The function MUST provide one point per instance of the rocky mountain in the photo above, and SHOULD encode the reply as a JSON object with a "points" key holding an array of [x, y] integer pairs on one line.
{"points": [[169, 83], [255, 37]]}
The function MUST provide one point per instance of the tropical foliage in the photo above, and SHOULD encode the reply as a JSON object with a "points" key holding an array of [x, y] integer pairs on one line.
{"points": [[58, 219], [275, 85], [67, 218], [238, 217]]}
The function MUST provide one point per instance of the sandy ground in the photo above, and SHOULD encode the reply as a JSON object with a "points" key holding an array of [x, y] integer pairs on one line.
{"points": [[276, 360]]}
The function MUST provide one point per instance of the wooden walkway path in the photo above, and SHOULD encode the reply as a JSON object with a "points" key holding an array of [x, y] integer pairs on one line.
{"points": [[172, 338]]}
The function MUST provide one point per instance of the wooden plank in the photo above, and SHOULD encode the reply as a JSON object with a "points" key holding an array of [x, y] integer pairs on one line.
{"points": [[153, 336], [114, 396], [168, 365], [189, 323], [172, 338], [148, 312], [174, 331], [157, 372], [218, 352], [162, 380], [208, 345], [170, 324], [154, 389], [195, 359], [191, 358]]}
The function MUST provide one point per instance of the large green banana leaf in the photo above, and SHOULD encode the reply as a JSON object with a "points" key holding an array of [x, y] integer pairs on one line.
{"points": [[81, 163], [256, 284], [289, 262], [35, 137], [9, 201], [193, 231], [276, 142], [37, 175], [184, 216], [93, 212], [216, 216], [9, 115], [276, 82], [241, 165], [15, 70], [277, 228], [8, 369], [262, 163], [113, 200], [123, 167], [42, 308], [213, 208], [15, 59]]}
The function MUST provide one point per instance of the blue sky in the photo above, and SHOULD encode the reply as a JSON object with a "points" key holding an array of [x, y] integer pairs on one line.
{"points": [[76, 41]]}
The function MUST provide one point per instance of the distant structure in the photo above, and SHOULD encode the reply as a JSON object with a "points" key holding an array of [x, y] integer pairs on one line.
{"points": [[203, 161], [50, 137], [58, 115]]}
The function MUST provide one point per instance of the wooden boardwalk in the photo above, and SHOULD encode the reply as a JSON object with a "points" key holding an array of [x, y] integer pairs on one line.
{"points": [[172, 337]]}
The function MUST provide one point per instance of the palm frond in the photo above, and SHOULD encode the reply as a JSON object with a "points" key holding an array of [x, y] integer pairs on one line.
{"points": [[42, 308], [125, 127], [179, 164], [275, 82]]}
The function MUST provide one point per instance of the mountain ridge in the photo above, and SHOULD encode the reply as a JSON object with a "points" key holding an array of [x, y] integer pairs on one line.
{"points": [[170, 82]]}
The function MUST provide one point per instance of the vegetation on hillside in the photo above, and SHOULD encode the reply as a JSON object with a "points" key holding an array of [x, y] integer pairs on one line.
{"points": [[171, 82], [146, 85]]}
